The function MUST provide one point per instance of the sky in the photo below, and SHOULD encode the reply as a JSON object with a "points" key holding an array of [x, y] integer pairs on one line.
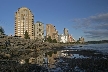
{"points": [[83, 18]]}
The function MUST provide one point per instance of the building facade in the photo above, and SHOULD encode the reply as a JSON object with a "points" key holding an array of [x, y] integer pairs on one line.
{"points": [[65, 32], [63, 39], [51, 31], [24, 21], [71, 39], [81, 40], [39, 30]]}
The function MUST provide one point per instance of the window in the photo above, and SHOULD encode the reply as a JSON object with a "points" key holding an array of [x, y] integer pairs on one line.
{"points": [[21, 33], [18, 23], [18, 18], [21, 26], [18, 29], [18, 14], [39, 29]]}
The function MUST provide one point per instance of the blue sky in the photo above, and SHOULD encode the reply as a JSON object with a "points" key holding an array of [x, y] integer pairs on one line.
{"points": [[87, 18]]}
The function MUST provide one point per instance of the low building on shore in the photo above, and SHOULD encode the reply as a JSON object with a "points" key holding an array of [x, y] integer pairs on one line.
{"points": [[81, 40]]}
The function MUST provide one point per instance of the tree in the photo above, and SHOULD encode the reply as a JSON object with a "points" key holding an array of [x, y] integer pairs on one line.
{"points": [[55, 52], [50, 53], [54, 41], [1, 30], [26, 36], [49, 39]]}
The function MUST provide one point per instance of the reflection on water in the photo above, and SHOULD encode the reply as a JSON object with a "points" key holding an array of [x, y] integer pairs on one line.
{"points": [[51, 58], [58, 59], [68, 59], [75, 56], [48, 58]]}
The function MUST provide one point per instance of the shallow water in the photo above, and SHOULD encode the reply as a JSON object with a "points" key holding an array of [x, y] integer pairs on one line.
{"points": [[101, 47], [58, 61], [80, 58]]}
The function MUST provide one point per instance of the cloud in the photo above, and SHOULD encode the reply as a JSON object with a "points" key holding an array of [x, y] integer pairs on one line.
{"points": [[94, 26], [102, 27], [96, 34], [101, 18]]}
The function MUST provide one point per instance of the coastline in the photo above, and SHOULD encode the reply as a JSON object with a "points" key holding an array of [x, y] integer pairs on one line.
{"points": [[23, 49]]}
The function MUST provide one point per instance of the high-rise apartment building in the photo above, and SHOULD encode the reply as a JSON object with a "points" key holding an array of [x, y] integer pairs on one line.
{"points": [[51, 31], [39, 30], [65, 32], [24, 21]]}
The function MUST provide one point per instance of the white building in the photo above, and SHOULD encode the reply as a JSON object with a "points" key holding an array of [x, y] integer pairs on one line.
{"points": [[63, 38]]}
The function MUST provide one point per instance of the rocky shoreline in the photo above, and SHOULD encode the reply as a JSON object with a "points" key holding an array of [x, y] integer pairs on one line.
{"points": [[18, 49], [87, 61], [15, 47]]}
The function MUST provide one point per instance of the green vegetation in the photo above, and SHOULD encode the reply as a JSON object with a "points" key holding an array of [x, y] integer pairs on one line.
{"points": [[51, 52], [54, 41], [26, 36], [1, 30], [50, 40], [77, 42], [97, 42], [55, 52], [27, 60]]}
